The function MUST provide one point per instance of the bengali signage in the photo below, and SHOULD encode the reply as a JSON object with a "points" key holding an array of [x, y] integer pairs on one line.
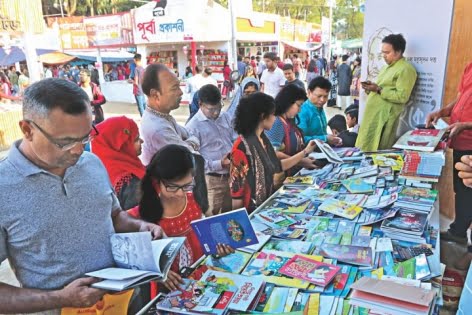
{"points": [[166, 23], [109, 31], [72, 31]]}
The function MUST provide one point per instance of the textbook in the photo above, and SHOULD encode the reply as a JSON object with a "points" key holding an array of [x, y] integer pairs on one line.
{"points": [[231, 228], [139, 260], [313, 271], [197, 297], [425, 140]]}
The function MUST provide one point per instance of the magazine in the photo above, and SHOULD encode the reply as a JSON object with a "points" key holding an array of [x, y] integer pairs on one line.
{"points": [[310, 270], [139, 260], [197, 297], [231, 228], [331, 156], [425, 140], [393, 160]]}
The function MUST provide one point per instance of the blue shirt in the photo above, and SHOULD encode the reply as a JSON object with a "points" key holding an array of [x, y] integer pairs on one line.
{"points": [[241, 68], [52, 229], [313, 122]]}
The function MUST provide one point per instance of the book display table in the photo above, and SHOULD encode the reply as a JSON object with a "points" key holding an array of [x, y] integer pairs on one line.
{"points": [[351, 238]]}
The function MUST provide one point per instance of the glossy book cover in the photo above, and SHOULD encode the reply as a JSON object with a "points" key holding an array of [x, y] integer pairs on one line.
{"points": [[232, 228], [310, 270]]}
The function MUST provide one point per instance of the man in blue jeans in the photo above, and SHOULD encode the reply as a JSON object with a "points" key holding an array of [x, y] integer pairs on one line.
{"points": [[137, 81]]}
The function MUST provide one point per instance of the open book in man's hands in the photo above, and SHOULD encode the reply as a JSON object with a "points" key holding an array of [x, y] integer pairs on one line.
{"points": [[139, 259]]}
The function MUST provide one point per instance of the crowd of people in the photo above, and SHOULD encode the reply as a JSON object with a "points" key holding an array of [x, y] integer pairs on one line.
{"points": [[160, 176]]}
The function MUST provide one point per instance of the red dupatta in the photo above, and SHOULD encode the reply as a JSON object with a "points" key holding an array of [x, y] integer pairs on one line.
{"points": [[114, 145]]}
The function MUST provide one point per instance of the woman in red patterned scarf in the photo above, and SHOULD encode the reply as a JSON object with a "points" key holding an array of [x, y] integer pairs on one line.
{"points": [[118, 146]]}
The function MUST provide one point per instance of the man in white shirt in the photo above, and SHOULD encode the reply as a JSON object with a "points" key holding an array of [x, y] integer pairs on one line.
{"points": [[272, 79], [159, 128], [216, 135]]}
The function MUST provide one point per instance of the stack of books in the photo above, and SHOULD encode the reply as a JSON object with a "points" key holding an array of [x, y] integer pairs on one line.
{"points": [[388, 297], [418, 199], [425, 140], [406, 225], [423, 166]]}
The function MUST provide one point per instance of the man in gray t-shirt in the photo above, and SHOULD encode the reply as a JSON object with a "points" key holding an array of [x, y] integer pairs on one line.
{"points": [[57, 206]]}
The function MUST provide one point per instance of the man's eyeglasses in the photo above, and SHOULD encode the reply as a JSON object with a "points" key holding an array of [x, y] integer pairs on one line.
{"points": [[69, 145], [214, 108], [174, 188]]}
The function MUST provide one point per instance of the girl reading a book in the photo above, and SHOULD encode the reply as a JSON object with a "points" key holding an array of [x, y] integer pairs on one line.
{"points": [[253, 159], [167, 200]]}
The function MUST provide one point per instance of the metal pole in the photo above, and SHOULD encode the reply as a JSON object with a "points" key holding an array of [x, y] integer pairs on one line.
{"points": [[330, 28], [60, 5], [234, 52]]}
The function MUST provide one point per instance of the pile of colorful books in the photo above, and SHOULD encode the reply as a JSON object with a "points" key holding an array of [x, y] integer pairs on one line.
{"points": [[314, 246]]}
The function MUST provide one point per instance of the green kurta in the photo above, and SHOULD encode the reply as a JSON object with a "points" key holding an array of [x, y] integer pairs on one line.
{"points": [[382, 111]]}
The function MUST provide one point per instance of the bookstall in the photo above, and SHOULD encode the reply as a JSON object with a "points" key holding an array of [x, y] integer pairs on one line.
{"points": [[357, 236]]}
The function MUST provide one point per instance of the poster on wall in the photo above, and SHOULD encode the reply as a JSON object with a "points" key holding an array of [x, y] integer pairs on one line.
{"points": [[426, 26]]}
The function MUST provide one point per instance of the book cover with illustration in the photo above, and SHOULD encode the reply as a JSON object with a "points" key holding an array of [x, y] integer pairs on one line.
{"points": [[231, 263], [299, 180], [358, 186], [232, 228], [425, 140], [355, 255], [266, 264], [409, 222], [289, 246], [340, 208], [393, 160], [418, 195], [405, 269], [195, 297], [247, 288], [313, 271]]}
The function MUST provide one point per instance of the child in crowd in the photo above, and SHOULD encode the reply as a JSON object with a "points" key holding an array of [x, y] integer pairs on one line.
{"points": [[352, 118], [339, 129]]}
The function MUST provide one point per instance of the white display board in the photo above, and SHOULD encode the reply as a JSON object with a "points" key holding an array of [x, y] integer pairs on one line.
{"points": [[426, 26]]}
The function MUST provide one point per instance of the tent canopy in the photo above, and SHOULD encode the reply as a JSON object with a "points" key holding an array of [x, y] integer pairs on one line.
{"points": [[352, 43], [16, 54], [56, 58]]}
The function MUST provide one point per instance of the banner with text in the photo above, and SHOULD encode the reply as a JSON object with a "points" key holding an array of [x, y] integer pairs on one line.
{"points": [[426, 26]]}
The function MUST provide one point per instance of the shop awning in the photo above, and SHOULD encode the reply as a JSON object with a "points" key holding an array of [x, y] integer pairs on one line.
{"points": [[352, 43], [107, 56], [302, 45], [56, 58], [16, 54]]}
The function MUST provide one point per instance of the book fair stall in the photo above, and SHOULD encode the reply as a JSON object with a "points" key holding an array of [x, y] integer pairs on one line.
{"points": [[358, 236]]}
